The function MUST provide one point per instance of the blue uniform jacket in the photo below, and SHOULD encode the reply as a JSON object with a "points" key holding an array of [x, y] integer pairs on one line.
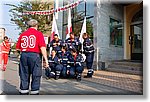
{"points": [[78, 62], [53, 62], [73, 44], [64, 58], [88, 46], [58, 47]]}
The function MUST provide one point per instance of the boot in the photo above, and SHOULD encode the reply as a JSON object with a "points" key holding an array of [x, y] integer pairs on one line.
{"points": [[78, 77], [4, 68], [24, 93], [89, 74], [35, 94], [57, 75]]}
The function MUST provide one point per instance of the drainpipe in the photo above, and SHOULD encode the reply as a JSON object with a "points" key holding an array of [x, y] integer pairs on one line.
{"points": [[97, 59]]}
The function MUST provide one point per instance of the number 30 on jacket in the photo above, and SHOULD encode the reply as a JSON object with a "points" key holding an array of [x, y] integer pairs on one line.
{"points": [[28, 41]]}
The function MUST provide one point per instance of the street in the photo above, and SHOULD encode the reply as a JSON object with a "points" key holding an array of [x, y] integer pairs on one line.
{"points": [[102, 83]]}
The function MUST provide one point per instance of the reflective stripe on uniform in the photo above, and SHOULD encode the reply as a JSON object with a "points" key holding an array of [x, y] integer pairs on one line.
{"points": [[90, 70], [57, 72], [23, 91], [35, 92], [53, 73], [50, 61], [65, 59], [89, 46], [90, 51], [5, 52]]}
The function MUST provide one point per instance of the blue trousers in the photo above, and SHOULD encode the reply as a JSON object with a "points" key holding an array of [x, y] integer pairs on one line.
{"points": [[89, 60], [47, 72], [54, 70], [75, 69], [79, 69], [30, 64], [64, 71]]}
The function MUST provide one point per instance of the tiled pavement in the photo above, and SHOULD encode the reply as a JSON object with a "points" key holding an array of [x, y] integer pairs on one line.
{"points": [[128, 82], [103, 82]]}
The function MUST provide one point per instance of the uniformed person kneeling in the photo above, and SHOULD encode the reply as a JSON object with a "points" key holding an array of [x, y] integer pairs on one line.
{"points": [[54, 67], [63, 60], [75, 62]]}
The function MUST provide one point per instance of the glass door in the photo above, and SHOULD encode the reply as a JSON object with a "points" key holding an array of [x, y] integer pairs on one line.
{"points": [[137, 42]]}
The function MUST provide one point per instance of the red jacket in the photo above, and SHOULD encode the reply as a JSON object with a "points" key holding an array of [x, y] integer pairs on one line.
{"points": [[31, 41], [5, 47]]}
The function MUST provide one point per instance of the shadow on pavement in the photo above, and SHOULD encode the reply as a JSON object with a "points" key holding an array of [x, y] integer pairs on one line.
{"points": [[9, 89]]}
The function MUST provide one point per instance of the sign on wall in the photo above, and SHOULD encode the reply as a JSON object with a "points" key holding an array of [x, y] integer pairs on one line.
{"points": [[46, 39], [2, 33]]}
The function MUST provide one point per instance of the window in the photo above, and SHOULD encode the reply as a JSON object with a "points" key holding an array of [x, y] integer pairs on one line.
{"points": [[115, 32], [78, 13]]}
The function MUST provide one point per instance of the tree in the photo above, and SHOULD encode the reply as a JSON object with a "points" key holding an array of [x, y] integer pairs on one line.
{"points": [[78, 22], [19, 19]]}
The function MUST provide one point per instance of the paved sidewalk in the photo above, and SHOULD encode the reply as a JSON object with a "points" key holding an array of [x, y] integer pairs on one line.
{"points": [[102, 83], [129, 82]]}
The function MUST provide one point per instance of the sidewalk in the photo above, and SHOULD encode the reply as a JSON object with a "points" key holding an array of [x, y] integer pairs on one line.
{"points": [[119, 80], [103, 82]]}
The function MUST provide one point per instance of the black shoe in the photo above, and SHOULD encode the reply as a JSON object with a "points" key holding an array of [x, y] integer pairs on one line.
{"points": [[79, 77], [88, 76], [35, 94], [47, 78], [56, 77], [3, 70], [23, 93]]}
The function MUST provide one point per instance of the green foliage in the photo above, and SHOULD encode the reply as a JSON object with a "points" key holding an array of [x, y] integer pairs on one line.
{"points": [[77, 26], [14, 46], [89, 27], [19, 19]]}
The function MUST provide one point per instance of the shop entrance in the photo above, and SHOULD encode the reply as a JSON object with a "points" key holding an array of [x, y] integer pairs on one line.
{"points": [[136, 36]]}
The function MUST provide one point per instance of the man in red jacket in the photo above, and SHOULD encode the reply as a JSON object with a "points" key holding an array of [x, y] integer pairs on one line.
{"points": [[5, 51], [31, 43]]}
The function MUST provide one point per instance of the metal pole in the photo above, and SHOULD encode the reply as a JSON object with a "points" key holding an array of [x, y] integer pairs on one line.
{"points": [[97, 58], [85, 8], [72, 12]]}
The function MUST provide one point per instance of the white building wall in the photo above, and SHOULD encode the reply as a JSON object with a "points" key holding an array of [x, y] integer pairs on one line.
{"points": [[103, 12]]}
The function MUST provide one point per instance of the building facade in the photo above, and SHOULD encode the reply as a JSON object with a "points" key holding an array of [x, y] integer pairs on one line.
{"points": [[115, 27], [2, 33]]}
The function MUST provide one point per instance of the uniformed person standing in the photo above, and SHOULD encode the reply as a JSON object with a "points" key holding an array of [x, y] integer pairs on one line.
{"points": [[73, 42], [89, 53], [56, 44], [31, 43], [5, 52]]}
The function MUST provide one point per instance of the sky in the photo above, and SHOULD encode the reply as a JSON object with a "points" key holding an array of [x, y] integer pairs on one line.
{"points": [[11, 29]]}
